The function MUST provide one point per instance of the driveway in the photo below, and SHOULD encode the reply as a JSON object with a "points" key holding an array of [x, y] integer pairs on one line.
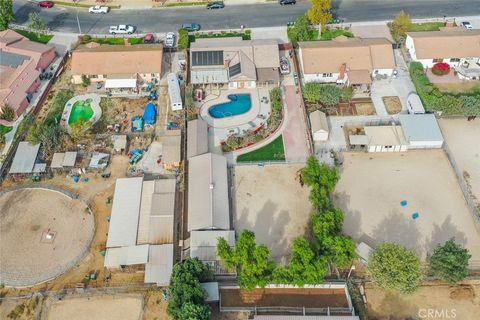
{"points": [[295, 133]]}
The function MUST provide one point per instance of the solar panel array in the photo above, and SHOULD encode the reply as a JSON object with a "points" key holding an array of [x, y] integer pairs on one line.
{"points": [[207, 58], [234, 70]]}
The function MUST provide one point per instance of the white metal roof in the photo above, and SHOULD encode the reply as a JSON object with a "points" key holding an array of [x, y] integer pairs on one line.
{"points": [[385, 135], [420, 127], [414, 103], [318, 121], [203, 244], [120, 83], [125, 256], [208, 204], [160, 264], [119, 142], [99, 160], [57, 160], [25, 157], [69, 159], [125, 212], [174, 92], [197, 138], [211, 288]]}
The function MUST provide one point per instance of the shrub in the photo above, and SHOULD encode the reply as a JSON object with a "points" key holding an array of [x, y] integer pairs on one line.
{"points": [[450, 262], [86, 38], [8, 113], [441, 68], [85, 81], [183, 40]]}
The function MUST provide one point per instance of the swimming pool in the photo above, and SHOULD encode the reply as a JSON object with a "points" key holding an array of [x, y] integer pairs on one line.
{"points": [[81, 111], [238, 104]]}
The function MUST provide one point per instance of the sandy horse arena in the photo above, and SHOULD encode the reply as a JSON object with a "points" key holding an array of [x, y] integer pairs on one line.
{"points": [[44, 233]]}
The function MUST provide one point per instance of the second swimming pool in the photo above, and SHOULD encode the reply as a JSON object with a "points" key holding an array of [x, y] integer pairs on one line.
{"points": [[238, 104]]}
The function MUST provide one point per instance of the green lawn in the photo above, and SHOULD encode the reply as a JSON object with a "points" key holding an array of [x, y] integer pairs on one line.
{"points": [[116, 41], [332, 34], [33, 36], [246, 35], [272, 151], [428, 26], [4, 130]]}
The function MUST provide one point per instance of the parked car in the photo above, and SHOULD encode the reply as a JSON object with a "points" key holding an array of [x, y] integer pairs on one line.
{"points": [[284, 66], [216, 5], [170, 40], [98, 9], [46, 4], [191, 26], [287, 2], [149, 38], [467, 25], [121, 29]]}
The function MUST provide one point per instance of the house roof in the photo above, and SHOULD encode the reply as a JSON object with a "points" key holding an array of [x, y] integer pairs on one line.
{"points": [[122, 231], [385, 135], [420, 127], [160, 264], [318, 121], [446, 43], [208, 206], [114, 59], [126, 256], [359, 77], [356, 53], [203, 244], [197, 138], [25, 157]]}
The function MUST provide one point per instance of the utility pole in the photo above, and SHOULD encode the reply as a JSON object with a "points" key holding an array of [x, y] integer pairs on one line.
{"points": [[78, 20]]}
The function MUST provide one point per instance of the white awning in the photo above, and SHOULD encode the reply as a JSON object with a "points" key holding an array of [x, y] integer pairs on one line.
{"points": [[120, 83]]}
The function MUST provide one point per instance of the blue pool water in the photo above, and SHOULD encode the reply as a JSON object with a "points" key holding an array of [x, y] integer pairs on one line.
{"points": [[238, 104]]}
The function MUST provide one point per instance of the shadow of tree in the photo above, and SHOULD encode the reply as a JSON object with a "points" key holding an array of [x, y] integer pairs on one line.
{"points": [[442, 233], [352, 224]]}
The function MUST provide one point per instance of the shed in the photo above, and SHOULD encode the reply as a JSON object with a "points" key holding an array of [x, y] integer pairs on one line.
{"points": [[319, 126], [211, 289], [99, 160], [57, 160], [25, 158], [203, 244], [385, 139], [174, 92], [159, 268], [414, 104], [126, 256], [119, 143], [208, 205], [363, 251], [197, 138], [69, 159], [421, 131], [122, 231]]}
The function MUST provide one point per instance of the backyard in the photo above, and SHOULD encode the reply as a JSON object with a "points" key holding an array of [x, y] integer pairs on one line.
{"points": [[427, 26], [270, 201], [274, 151], [380, 192]]}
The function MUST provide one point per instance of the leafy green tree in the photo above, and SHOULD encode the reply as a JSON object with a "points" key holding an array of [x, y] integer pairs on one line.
{"points": [[450, 262], [191, 311], [6, 14], [320, 13], [36, 23], [78, 130], [316, 173], [472, 105], [340, 249], [186, 296], [312, 91], [300, 31], [7, 113], [330, 95], [394, 267], [326, 223], [304, 266], [400, 25]]}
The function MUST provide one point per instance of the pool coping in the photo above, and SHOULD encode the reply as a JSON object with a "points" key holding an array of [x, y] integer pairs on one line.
{"points": [[95, 105]]}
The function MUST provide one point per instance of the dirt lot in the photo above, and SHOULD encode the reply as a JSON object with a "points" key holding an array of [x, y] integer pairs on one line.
{"points": [[312, 298], [100, 308], [365, 109], [463, 139], [28, 216], [270, 202], [463, 301], [372, 187], [392, 104]]}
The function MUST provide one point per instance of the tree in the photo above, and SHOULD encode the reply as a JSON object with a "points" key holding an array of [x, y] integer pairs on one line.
{"points": [[472, 105], [300, 30], [78, 130], [36, 23], [6, 14], [186, 296], [393, 266], [322, 181], [401, 25], [304, 266], [449, 262], [85, 81], [320, 13], [7, 113]]}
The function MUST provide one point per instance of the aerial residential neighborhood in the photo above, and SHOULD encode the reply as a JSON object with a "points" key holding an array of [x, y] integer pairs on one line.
{"points": [[239, 159]]}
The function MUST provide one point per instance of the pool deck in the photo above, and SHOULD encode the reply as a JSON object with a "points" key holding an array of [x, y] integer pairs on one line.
{"points": [[95, 105], [221, 128]]}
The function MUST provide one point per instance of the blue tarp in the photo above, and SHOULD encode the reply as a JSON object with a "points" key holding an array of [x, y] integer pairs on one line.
{"points": [[150, 114]]}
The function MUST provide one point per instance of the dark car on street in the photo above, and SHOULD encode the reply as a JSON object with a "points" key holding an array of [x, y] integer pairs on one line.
{"points": [[191, 26], [287, 2], [215, 5]]}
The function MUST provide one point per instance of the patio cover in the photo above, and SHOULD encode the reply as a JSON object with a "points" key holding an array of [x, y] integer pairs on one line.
{"points": [[160, 265], [359, 77], [69, 159], [120, 83], [25, 157], [126, 256], [57, 160]]}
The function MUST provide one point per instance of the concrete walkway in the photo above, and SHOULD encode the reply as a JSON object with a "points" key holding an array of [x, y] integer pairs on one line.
{"points": [[295, 133]]}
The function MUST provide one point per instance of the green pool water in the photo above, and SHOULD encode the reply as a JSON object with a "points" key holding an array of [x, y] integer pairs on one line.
{"points": [[81, 110]]}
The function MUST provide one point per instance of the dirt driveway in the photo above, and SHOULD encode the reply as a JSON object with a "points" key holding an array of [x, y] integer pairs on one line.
{"points": [[372, 188], [270, 202]]}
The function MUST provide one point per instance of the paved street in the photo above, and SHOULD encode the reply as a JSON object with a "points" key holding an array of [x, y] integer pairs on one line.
{"points": [[251, 15]]}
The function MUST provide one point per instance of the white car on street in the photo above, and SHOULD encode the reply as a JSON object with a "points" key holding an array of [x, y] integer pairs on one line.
{"points": [[170, 40], [98, 9], [121, 29], [467, 25]]}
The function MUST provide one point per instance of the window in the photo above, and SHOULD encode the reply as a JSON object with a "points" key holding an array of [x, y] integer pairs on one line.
{"points": [[455, 60], [326, 75], [437, 60]]}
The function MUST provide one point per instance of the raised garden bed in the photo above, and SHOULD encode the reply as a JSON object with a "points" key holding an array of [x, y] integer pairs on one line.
{"points": [[392, 104]]}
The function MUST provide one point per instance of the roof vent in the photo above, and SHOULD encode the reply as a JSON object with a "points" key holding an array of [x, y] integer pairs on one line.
{"points": [[212, 186]]}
